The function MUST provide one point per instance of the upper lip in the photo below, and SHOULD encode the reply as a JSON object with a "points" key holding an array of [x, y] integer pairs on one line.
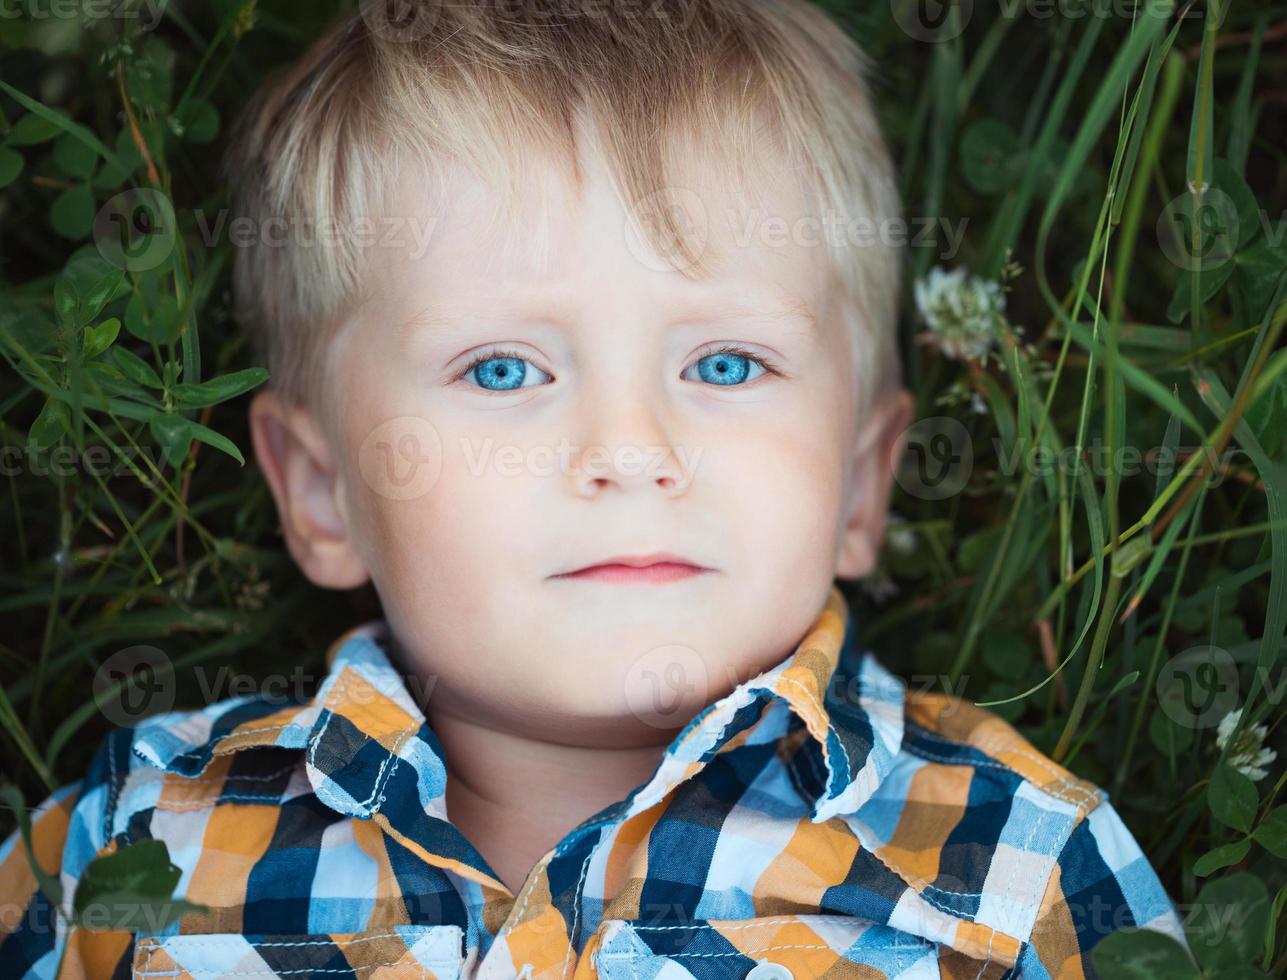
{"points": [[640, 561]]}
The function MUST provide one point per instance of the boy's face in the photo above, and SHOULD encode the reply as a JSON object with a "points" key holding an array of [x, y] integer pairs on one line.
{"points": [[598, 430]]}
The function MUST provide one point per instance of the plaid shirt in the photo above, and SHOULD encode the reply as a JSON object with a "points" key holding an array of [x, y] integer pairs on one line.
{"points": [[821, 817]]}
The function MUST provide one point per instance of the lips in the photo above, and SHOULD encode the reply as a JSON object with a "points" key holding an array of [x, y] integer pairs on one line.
{"points": [[656, 567]]}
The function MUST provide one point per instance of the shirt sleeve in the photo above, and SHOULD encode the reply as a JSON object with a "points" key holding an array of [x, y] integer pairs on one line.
{"points": [[68, 830], [1101, 882]]}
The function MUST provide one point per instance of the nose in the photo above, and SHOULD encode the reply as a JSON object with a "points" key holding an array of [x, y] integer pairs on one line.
{"points": [[626, 445]]}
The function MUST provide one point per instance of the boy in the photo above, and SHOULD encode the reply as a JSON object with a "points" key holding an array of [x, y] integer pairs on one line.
{"points": [[581, 389]]}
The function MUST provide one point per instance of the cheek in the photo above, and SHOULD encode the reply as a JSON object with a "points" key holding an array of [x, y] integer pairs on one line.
{"points": [[786, 479]]}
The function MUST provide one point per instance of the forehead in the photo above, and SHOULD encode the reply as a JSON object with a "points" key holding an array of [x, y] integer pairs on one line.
{"points": [[748, 225]]}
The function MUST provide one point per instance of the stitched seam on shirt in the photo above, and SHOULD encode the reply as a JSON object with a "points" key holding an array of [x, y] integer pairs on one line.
{"points": [[805, 918], [112, 789], [741, 952], [210, 801], [1067, 780], [991, 764], [228, 778], [518, 919], [377, 791], [576, 911], [310, 970], [849, 766]]}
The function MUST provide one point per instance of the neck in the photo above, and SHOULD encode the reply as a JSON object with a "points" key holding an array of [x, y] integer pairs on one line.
{"points": [[516, 796]]}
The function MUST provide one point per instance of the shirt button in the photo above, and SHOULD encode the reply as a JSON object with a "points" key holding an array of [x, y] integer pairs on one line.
{"points": [[765, 970]]}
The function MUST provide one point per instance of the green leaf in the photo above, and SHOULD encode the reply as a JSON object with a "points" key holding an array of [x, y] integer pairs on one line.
{"points": [[58, 120], [74, 157], [1228, 922], [156, 322], [219, 389], [989, 148], [66, 300], [1142, 954], [1168, 737], [1006, 653], [217, 440], [1246, 207], [10, 165], [1221, 857], [173, 433], [148, 78], [198, 121], [1210, 282], [72, 214], [135, 368], [131, 889], [32, 129], [1271, 832], [1259, 267], [101, 337], [1233, 798], [100, 294], [50, 425]]}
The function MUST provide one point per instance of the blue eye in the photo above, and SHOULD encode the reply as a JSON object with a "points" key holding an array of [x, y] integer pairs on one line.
{"points": [[500, 371], [730, 366]]}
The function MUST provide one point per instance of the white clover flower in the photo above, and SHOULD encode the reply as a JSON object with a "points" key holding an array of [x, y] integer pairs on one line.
{"points": [[899, 536], [964, 313], [1248, 755]]}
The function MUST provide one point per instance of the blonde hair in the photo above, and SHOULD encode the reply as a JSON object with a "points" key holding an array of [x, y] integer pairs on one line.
{"points": [[484, 83]]}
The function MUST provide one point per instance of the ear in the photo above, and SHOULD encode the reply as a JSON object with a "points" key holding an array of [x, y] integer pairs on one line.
{"points": [[878, 451], [301, 472]]}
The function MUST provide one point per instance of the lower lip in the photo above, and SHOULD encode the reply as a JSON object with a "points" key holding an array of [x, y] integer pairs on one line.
{"points": [[660, 572]]}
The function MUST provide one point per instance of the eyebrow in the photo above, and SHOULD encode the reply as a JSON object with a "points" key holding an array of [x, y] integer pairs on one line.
{"points": [[778, 307]]}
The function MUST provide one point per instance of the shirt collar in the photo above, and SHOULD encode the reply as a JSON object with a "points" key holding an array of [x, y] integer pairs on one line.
{"points": [[842, 724]]}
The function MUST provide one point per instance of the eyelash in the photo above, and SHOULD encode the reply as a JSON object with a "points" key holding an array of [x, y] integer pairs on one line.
{"points": [[498, 352]]}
